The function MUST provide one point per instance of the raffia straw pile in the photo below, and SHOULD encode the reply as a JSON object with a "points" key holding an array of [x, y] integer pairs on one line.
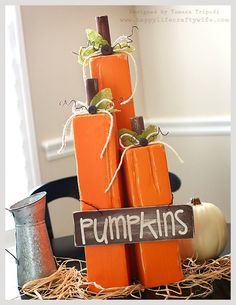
{"points": [[198, 279], [70, 283]]}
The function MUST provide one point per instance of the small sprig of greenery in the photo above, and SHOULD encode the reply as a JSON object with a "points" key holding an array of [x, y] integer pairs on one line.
{"points": [[106, 105], [127, 141], [96, 42]]}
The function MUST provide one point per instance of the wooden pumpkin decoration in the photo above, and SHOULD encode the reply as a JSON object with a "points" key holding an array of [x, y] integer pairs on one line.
{"points": [[90, 133], [210, 235], [147, 184], [113, 72]]}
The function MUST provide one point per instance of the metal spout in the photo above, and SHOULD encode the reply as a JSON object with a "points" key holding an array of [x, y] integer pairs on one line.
{"points": [[33, 249]]}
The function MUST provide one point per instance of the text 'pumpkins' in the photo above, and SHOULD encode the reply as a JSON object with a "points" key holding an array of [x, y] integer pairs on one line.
{"points": [[210, 235]]}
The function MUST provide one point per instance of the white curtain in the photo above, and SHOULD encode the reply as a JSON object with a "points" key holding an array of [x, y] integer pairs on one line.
{"points": [[22, 169]]}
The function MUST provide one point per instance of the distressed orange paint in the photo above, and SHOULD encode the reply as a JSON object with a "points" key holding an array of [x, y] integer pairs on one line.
{"points": [[106, 265], [112, 71], [147, 182]]}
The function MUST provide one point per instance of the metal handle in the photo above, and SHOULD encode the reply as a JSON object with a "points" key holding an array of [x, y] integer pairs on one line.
{"points": [[17, 261]]}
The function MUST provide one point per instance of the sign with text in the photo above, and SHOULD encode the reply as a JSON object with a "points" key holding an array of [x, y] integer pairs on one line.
{"points": [[132, 225]]}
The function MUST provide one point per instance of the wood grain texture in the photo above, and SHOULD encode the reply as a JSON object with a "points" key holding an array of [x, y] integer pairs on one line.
{"points": [[132, 225], [113, 72]]}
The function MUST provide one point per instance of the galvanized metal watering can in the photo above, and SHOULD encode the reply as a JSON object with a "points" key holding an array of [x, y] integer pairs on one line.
{"points": [[33, 250]]}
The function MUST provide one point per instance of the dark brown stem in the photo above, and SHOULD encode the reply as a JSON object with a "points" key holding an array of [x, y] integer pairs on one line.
{"points": [[91, 89], [103, 28], [195, 201], [137, 124]]}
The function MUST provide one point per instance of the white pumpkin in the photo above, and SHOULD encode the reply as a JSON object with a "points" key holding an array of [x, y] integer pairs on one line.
{"points": [[210, 236]]}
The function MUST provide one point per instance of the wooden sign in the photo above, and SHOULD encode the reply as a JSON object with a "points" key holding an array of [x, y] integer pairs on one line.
{"points": [[132, 225]]}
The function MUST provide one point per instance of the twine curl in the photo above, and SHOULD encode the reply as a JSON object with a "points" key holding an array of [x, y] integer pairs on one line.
{"points": [[83, 110], [136, 145], [97, 53]]}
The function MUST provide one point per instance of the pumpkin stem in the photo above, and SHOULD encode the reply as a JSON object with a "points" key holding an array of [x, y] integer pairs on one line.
{"points": [[195, 201]]}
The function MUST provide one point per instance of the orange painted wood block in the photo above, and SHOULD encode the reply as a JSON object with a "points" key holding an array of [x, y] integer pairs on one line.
{"points": [[147, 180], [112, 71], [106, 265]]}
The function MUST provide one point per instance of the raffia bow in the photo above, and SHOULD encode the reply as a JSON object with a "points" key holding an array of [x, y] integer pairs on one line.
{"points": [[95, 44], [80, 108], [136, 143]]}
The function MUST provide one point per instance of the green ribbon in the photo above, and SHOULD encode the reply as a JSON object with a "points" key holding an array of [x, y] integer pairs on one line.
{"points": [[96, 42], [128, 141], [103, 94]]}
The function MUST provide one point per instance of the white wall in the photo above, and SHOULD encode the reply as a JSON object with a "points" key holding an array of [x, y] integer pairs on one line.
{"points": [[185, 66], [186, 84], [184, 74], [205, 172]]}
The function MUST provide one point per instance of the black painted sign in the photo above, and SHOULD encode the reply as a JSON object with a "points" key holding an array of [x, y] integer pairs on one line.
{"points": [[132, 225]]}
